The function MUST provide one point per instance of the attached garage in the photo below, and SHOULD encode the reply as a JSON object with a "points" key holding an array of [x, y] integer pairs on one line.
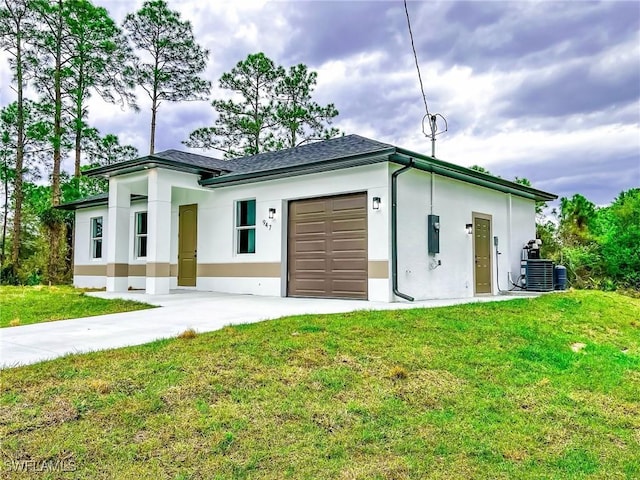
{"points": [[348, 217], [327, 247]]}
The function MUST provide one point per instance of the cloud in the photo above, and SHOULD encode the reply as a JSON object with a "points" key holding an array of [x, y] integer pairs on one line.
{"points": [[599, 162], [531, 34], [329, 31], [546, 90], [604, 82]]}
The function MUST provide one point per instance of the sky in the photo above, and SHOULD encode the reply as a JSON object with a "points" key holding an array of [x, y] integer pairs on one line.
{"points": [[545, 90]]}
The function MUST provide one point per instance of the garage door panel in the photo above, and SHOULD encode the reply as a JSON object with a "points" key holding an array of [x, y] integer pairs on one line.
{"points": [[356, 226], [328, 247], [350, 254], [306, 265], [354, 213], [348, 245], [306, 246], [310, 207], [349, 265], [337, 265], [311, 227], [312, 287], [353, 203], [349, 288], [348, 213]]}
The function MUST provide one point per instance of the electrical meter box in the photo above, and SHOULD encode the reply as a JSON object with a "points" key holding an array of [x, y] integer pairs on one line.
{"points": [[433, 234]]}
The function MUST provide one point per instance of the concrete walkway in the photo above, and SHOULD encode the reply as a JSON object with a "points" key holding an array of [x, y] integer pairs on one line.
{"points": [[180, 310]]}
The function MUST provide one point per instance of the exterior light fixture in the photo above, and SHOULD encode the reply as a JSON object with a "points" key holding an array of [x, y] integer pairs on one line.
{"points": [[376, 203], [469, 227], [272, 213]]}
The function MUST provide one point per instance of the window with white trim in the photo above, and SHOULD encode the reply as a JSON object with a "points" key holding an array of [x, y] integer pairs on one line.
{"points": [[141, 234], [96, 237], [246, 226]]}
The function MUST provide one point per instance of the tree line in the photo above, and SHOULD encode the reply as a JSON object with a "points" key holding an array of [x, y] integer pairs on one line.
{"points": [[62, 53], [600, 246]]}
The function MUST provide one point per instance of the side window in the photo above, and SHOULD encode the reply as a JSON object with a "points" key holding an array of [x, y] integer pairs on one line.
{"points": [[246, 226], [141, 234], [96, 237]]}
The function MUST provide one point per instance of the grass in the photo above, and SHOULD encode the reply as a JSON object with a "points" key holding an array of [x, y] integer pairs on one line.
{"points": [[26, 305], [489, 390]]}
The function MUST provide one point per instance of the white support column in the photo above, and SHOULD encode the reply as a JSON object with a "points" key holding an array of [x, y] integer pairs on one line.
{"points": [[159, 232], [118, 237]]}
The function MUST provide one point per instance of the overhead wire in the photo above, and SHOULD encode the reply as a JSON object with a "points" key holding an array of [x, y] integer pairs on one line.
{"points": [[415, 56], [432, 118]]}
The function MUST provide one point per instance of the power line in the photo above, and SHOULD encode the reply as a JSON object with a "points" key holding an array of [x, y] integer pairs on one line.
{"points": [[415, 56], [432, 118]]}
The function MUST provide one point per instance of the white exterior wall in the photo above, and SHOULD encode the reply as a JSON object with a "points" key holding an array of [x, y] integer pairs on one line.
{"points": [[216, 225], [513, 221], [216, 222], [523, 214], [455, 201], [82, 255], [82, 247], [136, 282]]}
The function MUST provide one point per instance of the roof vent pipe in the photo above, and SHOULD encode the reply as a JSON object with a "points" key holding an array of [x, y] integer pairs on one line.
{"points": [[394, 230]]}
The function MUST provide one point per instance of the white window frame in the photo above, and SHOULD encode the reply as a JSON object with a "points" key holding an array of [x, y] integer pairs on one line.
{"points": [[238, 228], [138, 236], [96, 239]]}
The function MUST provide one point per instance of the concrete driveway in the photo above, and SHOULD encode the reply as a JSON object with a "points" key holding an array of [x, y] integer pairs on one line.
{"points": [[180, 310]]}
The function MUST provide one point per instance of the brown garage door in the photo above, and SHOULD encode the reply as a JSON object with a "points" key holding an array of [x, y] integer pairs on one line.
{"points": [[328, 247]]}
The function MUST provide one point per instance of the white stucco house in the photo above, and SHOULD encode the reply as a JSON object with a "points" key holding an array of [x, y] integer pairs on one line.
{"points": [[348, 217]]}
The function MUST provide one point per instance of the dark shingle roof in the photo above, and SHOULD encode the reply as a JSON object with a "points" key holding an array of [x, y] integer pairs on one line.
{"points": [[336, 153], [192, 159], [347, 151], [336, 148], [175, 159], [333, 149], [94, 200]]}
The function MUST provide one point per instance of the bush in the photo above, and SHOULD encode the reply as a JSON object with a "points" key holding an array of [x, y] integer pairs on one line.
{"points": [[8, 275], [584, 266], [600, 246]]}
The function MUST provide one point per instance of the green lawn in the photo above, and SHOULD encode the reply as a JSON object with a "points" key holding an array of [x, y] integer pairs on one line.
{"points": [[25, 305], [491, 390]]}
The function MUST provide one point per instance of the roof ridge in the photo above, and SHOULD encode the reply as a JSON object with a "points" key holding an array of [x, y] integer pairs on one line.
{"points": [[286, 151], [368, 139], [185, 152]]}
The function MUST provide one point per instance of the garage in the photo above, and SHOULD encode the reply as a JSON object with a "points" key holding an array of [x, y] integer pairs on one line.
{"points": [[327, 247]]}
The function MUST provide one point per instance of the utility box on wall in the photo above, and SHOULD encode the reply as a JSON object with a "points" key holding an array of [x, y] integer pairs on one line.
{"points": [[433, 234]]}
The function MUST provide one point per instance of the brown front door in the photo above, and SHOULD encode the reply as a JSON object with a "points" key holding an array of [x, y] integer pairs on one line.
{"points": [[187, 245], [327, 247], [482, 253]]}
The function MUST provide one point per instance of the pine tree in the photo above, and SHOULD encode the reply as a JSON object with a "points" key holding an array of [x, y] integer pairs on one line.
{"points": [[28, 123], [99, 60], [171, 59], [244, 127], [302, 120], [16, 23], [49, 66], [106, 150], [272, 109]]}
